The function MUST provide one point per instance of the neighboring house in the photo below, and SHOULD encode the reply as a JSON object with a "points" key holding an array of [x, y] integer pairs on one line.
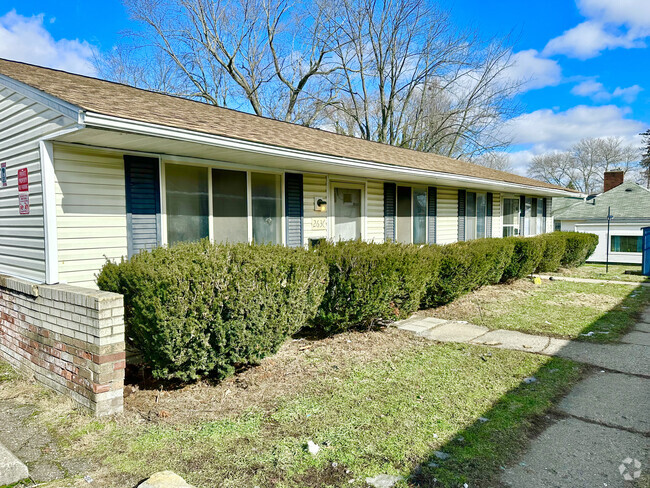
{"points": [[98, 170], [630, 210]]}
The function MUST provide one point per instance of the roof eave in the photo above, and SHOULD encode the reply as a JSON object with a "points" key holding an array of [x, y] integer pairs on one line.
{"points": [[65, 108], [102, 121]]}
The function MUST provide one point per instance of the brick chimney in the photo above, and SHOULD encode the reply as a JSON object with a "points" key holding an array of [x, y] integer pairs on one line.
{"points": [[613, 179]]}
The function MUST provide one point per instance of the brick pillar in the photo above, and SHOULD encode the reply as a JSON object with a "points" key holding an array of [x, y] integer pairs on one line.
{"points": [[69, 338]]}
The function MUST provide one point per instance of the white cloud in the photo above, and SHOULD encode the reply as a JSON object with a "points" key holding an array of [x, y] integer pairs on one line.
{"points": [[588, 39], [534, 71], [26, 39], [610, 24], [597, 92], [551, 130]]}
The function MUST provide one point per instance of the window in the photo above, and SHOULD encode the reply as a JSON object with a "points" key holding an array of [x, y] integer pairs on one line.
{"points": [[627, 244], [266, 195], [411, 215], [419, 216], [187, 202], [510, 217], [225, 205], [541, 221], [229, 205], [475, 215]]}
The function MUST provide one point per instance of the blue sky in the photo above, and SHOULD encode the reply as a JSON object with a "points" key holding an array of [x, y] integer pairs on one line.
{"points": [[587, 62]]}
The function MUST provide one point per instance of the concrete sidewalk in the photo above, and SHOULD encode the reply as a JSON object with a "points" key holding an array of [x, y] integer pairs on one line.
{"points": [[600, 436]]}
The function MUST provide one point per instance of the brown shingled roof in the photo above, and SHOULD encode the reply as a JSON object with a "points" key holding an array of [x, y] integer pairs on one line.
{"points": [[114, 99]]}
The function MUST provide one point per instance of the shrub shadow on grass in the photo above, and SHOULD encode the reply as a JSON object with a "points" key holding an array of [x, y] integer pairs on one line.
{"points": [[479, 453]]}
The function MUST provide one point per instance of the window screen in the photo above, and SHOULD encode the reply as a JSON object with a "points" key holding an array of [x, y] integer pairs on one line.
{"points": [[627, 243], [229, 205], [187, 203]]}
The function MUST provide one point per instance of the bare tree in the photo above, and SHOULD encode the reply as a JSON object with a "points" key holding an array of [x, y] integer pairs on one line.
{"points": [[584, 165], [645, 158], [258, 55], [495, 160], [392, 71], [410, 79], [555, 168]]}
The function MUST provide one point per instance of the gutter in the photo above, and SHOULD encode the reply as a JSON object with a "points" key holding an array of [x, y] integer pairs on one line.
{"points": [[92, 119]]}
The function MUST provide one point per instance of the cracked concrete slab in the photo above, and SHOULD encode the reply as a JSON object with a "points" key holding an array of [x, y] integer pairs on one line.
{"points": [[642, 327], [510, 339], [636, 337], [555, 346], [455, 332], [12, 470], [624, 358], [574, 453], [613, 399]]}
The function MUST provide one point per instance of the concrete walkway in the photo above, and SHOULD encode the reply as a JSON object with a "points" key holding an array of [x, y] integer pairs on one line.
{"points": [[591, 280], [601, 432]]}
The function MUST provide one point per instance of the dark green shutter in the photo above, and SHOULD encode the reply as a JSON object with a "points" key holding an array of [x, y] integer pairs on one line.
{"points": [[390, 190], [522, 215], [488, 215], [432, 213], [293, 196], [461, 214], [142, 188]]}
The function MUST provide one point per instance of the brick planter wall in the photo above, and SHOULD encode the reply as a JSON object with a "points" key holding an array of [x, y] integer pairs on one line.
{"points": [[69, 338]]}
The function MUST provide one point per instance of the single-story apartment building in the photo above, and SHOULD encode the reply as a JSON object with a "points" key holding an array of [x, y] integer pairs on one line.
{"points": [[93, 170], [111, 169], [629, 206]]}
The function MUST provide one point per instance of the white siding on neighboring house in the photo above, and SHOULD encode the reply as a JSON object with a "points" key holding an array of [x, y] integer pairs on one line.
{"points": [[314, 186], [497, 221], [447, 231], [90, 210], [23, 122], [375, 211]]}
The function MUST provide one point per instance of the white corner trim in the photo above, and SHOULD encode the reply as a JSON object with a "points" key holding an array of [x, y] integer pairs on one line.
{"points": [[61, 106], [49, 213], [156, 130]]}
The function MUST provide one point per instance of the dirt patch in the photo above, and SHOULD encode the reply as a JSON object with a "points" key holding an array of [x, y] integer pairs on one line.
{"points": [[593, 300], [470, 305], [297, 362]]}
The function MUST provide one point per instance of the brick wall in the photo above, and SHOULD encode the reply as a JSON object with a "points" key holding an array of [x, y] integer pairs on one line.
{"points": [[69, 338]]}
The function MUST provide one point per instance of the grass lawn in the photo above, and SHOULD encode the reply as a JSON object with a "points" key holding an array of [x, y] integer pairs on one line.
{"points": [[375, 402], [597, 272], [556, 308]]}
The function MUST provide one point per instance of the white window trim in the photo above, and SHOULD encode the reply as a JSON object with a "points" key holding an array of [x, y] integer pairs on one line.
{"points": [[516, 225]]}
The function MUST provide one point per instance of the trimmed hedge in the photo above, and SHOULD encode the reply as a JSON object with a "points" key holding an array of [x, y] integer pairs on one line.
{"points": [[371, 283], [554, 247], [579, 246], [526, 257], [197, 308]]}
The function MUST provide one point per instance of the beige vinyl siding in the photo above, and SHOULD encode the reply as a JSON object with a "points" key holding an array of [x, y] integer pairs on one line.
{"points": [[497, 220], [375, 211], [447, 221], [23, 122], [314, 186], [90, 210]]}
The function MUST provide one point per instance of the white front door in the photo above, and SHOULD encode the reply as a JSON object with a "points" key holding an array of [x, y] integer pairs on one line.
{"points": [[347, 213]]}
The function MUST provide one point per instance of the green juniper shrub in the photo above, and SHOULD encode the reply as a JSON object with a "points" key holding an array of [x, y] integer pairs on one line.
{"points": [[579, 246], [497, 255], [198, 308], [369, 284], [554, 247], [526, 257]]}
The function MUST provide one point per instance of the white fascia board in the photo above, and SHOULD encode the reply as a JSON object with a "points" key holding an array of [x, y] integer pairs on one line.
{"points": [[91, 119], [61, 106]]}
